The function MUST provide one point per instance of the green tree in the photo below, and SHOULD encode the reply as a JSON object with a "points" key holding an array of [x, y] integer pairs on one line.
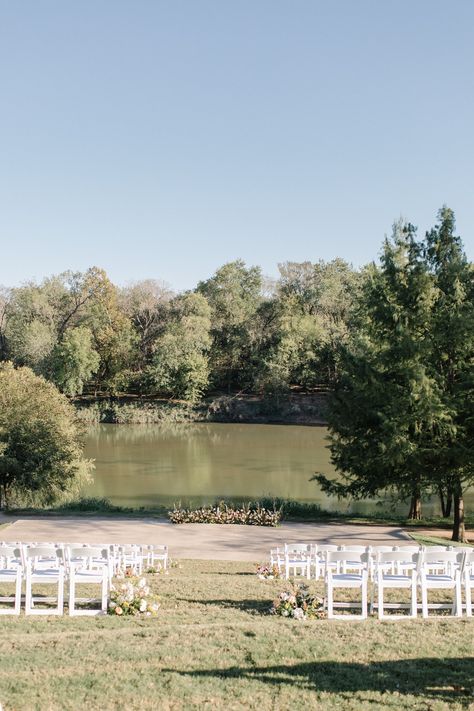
{"points": [[386, 415], [452, 359], [234, 294], [74, 361], [40, 440], [314, 318], [180, 363]]}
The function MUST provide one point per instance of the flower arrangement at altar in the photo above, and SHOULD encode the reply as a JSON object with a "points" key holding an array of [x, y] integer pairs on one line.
{"points": [[133, 597], [298, 603], [268, 572]]}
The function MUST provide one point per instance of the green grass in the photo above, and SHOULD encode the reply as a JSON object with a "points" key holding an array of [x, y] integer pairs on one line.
{"points": [[425, 540], [213, 646]]}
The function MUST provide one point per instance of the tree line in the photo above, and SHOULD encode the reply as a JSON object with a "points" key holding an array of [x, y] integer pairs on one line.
{"points": [[236, 331]]}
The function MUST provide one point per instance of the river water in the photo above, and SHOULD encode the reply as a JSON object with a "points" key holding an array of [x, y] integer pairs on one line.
{"points": [[150, 465]]}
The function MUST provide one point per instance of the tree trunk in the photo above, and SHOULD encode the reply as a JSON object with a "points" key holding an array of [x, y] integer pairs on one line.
{"points": [[442, 501], [415, 506], [459, 531], [449, 501]]}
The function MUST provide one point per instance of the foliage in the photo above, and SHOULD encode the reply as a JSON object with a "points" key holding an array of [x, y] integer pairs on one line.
{"points": [[234, 294], [298, 603], [179, 366], [74, 361], [401, 414], [247, 514], [132, 597], [40, 440]]}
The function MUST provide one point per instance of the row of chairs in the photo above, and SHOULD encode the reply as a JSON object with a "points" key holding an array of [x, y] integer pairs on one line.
{"points": [[54, 563], [406, 567]]}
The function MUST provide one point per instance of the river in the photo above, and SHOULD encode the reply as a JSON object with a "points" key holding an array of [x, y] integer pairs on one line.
{"points": [[152, 465]]}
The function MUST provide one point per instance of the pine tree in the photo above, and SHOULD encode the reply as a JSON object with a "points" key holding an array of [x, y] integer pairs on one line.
{"points": [[386, 409], [452, 359]]}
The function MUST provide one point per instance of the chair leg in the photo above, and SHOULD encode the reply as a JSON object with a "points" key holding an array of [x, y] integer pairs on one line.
{"points": [[380, 599], [424, 600], [104, 594], [468, 597], [61, 595], [72, 596], [364, 598], [329, 593], [18, 594], [414, 603], [28, 594], [458, 599]]}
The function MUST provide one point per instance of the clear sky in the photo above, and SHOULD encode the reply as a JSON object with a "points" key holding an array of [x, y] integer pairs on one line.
{"points": [[161, 139]]}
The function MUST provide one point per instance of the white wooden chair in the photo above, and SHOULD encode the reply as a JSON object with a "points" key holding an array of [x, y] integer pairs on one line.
{"points": [[395, 569], [44, 565], [11, 571], [353, 565], [130, 557], [154, 554], [374, 551], [298, 557], [277, 559], [441, 570], [88, 565], [320, 561], [355, 580]]}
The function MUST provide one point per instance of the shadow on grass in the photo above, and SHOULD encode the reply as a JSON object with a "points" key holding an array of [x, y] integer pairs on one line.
{"points": [[441, 679], [254, 607]]}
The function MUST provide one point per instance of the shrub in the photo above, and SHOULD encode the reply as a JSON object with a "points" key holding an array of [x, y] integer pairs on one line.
{"points": [[247, 514]]}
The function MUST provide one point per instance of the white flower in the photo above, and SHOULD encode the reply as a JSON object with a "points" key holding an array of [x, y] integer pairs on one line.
{"points": [[112, 605], [285, 613], [298, 613], [143, 605], [141, 583]]}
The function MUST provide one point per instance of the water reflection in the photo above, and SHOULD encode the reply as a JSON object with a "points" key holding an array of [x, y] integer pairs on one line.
{"points": [[147, 465]]}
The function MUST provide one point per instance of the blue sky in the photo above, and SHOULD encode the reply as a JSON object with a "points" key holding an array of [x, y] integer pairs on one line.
{"points": [[162, 139]]}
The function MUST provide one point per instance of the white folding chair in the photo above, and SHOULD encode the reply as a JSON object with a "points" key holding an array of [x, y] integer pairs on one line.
{"points": [[153, 554], [44, 565], [353, 565], [441, 571], [11, 571], [395, 569], [277, 559], [130, 556], [320, 562], [298, 558], [355, 579], [88, 565]]}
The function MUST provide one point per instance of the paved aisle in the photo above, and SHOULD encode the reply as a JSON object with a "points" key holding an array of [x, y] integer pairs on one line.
{"points": [[194, 540]]}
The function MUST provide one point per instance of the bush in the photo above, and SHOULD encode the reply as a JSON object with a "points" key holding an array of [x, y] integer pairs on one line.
{"points": [[247, 514]]}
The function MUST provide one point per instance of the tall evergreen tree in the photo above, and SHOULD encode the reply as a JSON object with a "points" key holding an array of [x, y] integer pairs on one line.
{"points": [[452, 359]]}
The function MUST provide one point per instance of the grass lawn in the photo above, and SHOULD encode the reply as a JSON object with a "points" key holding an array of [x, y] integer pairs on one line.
{"points": [[213, 646]]}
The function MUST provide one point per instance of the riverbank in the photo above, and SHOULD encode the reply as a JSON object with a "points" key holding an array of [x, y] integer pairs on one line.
{"points": [[293, 408]]}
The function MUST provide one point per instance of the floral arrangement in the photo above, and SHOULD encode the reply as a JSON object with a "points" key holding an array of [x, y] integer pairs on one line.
{"points": [[247, 514], [132, 597], [298, 603], [267, 572]]}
